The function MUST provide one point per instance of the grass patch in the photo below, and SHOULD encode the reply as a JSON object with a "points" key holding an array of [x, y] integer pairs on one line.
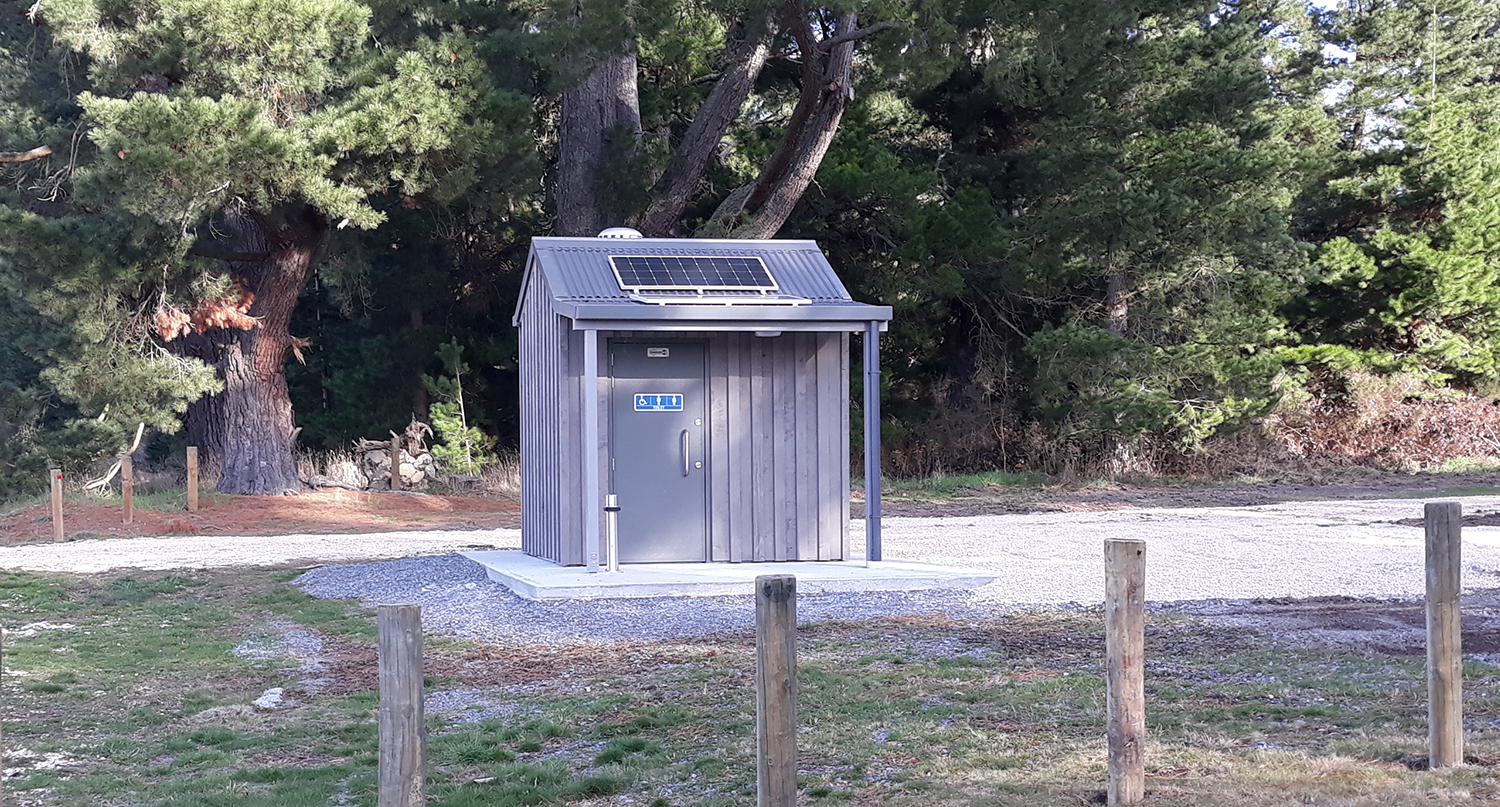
{"points": [[947, 486], [138, 687]]}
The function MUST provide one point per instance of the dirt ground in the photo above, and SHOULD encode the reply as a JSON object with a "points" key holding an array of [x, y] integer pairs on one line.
{"points": [[322, 511], [1381, 627], [343, 511]]}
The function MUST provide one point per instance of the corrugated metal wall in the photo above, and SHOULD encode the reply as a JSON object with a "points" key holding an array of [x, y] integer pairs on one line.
{"points": [[548, 427]]}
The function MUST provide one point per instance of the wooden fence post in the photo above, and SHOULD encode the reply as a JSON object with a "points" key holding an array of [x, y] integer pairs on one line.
{"points": [[395, 462], [403, 737], [1124, 645], [127, 488], [192, 478], [1445, 676], [776, 690], [2, 751], [57, 515]]}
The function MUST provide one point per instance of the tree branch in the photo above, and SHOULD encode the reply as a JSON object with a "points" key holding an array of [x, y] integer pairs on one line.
{"points": [[834, 90], [228, 255], [812, 79], [701, 141], [858, 33], [25, 156]]}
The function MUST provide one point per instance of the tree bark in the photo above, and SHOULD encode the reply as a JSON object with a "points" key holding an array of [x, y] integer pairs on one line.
{"points": [[602, 113], [807, 103], [248, 429], [603, 108], [1117, 303]]}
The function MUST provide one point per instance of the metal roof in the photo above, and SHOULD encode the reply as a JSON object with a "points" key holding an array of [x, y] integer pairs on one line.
{"points": [[584, 287]]}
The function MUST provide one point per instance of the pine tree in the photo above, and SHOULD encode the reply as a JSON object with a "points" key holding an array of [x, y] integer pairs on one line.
{"points": [[1105, 247], [464, 446], [78, 365], [1405, 209], [230, 137]]}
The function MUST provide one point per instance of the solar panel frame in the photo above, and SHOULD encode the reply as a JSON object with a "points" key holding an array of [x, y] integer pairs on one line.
{"points": [[695, 273]]}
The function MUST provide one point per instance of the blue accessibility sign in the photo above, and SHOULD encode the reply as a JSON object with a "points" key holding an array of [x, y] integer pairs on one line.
{"points": [[657, 402]]}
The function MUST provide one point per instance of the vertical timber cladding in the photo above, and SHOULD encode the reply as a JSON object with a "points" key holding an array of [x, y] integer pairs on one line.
{"points": [[538, 444], [780, 446]]}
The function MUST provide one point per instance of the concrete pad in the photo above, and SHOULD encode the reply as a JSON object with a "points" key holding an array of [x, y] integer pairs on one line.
{"points": [[536, 579]]}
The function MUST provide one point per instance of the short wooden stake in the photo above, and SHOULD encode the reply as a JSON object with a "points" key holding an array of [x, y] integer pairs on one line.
{"points": [[192, 478], [395, 463], [1124, 643], [776, 690], [1445, 676], [127, 488], [403, 737], [57, 516]]}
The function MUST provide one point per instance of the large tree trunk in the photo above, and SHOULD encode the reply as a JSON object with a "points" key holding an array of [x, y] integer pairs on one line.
{"points": [[600, 129], [248, 428], [597, 115]]}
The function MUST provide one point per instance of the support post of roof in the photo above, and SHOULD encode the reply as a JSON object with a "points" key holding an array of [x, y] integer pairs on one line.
{"points": [[872, 440], [591, 448]]}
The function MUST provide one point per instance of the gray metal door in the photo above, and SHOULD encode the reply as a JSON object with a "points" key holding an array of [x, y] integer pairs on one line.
{"points": [[657, 413]]}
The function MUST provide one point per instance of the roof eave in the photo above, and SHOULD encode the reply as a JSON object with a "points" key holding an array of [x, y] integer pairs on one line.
{"points": [[515, 318], [640, 316]]}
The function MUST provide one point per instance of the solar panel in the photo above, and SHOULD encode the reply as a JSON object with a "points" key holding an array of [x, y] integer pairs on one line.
{"points": [[699, 274]]}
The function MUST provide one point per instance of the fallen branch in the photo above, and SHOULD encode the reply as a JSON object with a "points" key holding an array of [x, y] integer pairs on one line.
{"points": [[1491, 441], [114, 469], [25, 156]]}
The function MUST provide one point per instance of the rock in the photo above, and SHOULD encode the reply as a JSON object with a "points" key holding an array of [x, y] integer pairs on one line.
{"points": [[270, 699], [223, 714], [416, 470], [465, 481], [348, 473]]}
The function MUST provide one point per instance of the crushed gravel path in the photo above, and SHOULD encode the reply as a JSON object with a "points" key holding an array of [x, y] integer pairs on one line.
{"points": [[219, 551], [1290, 550], [1294, 549], [457, 598]]}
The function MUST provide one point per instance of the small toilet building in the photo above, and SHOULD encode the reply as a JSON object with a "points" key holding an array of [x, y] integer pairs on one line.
{"points": [[704, 383]]}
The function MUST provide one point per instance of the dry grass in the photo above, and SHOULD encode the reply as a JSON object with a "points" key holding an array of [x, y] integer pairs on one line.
{"points": [[502, 479], [335, 464]]}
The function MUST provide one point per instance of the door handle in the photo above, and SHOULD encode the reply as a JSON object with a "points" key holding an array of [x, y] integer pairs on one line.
{"points": [[685, 452]]}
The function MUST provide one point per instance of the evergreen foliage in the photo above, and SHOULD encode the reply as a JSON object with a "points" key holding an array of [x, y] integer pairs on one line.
{"points": [[1404, 211], [1087, 227], [1097, 221], [463, 447]]}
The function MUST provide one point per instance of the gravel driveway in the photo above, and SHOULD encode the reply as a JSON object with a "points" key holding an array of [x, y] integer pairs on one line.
{"points": [[1293, 550], [1296, 549]]}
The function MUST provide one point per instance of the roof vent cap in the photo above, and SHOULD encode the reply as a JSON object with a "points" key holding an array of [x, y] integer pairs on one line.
{"points": [[619, 232]]}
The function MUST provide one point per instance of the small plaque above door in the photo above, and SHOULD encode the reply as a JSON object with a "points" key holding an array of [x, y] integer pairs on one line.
{"points": [[658, 352], [657, 402]]}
